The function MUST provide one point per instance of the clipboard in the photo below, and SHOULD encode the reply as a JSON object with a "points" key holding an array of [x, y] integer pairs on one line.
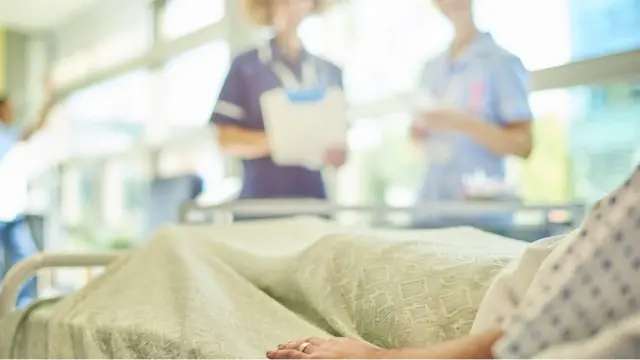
{"points": [[439, 150], [302, 124]]}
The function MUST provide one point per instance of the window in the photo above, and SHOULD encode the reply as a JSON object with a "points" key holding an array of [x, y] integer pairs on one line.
{"points": [[182, 17], [547, 33], [124, 195], [328, 34], [583, 151], [71, 69], [109, 51], [390, 41], [110, 116], [202, 157], [120, 47], [383, 167], [598, 98], [634, 93], [80, 183], [521, 32], [191, 84], [603, 27], [382, 44]]}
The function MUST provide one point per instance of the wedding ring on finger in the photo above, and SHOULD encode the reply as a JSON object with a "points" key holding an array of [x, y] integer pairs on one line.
{"points": [[303, 347]]}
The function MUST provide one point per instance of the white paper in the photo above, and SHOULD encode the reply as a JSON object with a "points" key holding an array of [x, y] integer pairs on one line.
{"points": [[300, 134], [438, 150], [423, 100]]}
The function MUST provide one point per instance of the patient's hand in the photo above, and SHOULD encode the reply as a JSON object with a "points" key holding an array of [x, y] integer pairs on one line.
{"points": [[477, 346], [335, 348]]}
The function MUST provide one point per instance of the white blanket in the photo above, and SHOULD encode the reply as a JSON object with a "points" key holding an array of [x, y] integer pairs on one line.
{"points": [[511, 285], [234, 292]]}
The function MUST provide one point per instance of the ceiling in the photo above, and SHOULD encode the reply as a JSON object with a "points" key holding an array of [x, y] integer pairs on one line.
{"points": [[37, 15]]}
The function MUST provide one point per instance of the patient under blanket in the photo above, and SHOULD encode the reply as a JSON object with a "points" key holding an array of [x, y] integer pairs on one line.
{"points": [[233, 292]]}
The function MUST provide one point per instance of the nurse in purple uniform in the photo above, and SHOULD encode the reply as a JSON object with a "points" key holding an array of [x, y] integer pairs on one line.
{"points": [[283, 62]]}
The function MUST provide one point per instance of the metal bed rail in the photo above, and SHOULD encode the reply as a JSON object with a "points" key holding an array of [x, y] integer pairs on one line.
{"points": [[22, 271], [223, 213]]}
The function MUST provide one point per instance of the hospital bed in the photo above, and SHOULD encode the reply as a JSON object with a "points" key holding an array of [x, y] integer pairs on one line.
{"points": [[245, 253], [223, 215]]}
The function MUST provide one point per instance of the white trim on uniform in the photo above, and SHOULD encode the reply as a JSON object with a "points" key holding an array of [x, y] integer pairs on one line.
{"points": [[264, 53], [287, 79], [229, 110]]}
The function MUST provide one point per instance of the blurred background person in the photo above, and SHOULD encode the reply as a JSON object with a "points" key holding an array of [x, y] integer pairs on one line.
{"points": [[478, 113], [15, 236], [12, 132], [238, 115]]}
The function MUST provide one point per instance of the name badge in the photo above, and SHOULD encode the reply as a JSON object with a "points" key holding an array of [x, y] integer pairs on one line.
{"points": [[476, 96]]}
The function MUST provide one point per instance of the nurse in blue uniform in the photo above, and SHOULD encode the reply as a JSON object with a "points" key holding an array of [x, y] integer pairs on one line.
{"points": [[15, 236], [282, 62], [482, 113]]}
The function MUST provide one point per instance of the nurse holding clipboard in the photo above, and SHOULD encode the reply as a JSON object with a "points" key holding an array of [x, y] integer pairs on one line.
{"points": [[257, 83], [478, 114]]}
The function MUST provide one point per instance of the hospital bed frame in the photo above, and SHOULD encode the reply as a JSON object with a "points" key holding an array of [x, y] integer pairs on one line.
{"points": [[222, 214]]}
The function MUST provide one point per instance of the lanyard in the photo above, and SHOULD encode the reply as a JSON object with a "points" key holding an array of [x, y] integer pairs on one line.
{"points": [[287, 78]]}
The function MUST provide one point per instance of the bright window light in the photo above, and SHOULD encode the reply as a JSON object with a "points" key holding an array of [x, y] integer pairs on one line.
{"points": [[182, 17]]}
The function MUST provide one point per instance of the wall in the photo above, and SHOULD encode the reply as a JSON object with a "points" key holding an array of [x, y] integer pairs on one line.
{"points": [[98, 23], [3, 68], [16, 64], [23, 59]]}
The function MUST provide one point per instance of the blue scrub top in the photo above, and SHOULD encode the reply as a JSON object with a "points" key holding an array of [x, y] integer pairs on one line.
{"points": [[9, 136], [488, 82], [251, 74]]}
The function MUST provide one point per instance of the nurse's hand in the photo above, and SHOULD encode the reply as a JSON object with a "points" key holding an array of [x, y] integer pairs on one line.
{"points": [[335, 157], [445, 120], [419, 129]]}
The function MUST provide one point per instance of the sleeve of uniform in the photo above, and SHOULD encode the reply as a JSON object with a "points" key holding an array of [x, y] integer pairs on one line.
{"points": [[512, 86], [231, 105], [589, 285]]}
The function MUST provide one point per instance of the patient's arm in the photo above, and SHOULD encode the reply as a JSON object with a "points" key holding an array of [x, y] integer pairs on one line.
{"points": [[476, 346], [473, 347]]}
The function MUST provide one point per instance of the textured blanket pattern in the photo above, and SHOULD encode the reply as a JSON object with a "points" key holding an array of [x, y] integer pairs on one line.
{"points": [[233, 292]]}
